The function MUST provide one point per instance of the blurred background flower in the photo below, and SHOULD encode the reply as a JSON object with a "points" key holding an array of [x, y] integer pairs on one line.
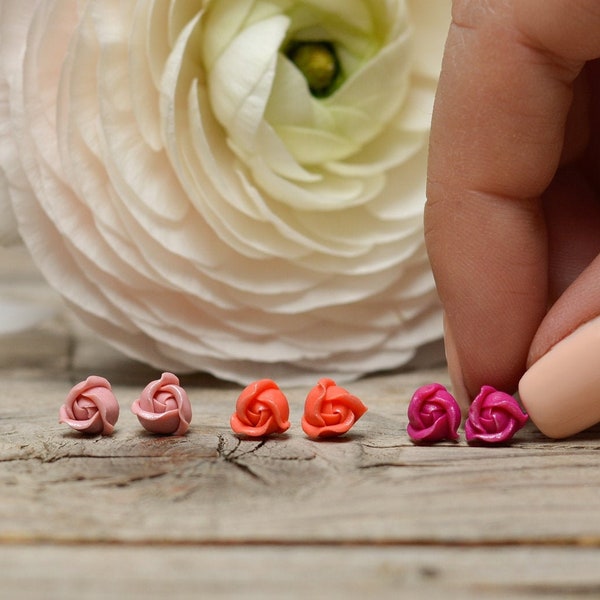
{"points": [[232, 186]]}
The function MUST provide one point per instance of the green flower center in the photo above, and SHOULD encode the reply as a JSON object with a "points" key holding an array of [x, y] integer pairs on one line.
{"points": [[319, 64]]}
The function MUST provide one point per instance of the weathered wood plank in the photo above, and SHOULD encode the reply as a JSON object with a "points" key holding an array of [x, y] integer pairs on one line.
{"points": [[371, 486], [368, 515], [98, 572]]}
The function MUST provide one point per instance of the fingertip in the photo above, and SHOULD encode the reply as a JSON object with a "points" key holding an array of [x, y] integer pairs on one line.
{"points": [[459, 389], [561, 390]]}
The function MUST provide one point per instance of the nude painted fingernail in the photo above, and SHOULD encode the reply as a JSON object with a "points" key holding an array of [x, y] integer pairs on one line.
{"points": [[454, 371], [561, 391]]}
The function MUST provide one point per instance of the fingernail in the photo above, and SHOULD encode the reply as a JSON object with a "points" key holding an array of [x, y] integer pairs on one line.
{"points": [[561, 391], [454, 371]]}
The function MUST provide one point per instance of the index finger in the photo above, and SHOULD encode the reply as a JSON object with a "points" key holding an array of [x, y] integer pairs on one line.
{"points": [[496, 141]]}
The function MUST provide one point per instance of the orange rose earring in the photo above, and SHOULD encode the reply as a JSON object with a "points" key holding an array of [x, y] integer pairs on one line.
{"points": [[330, 410], [261, 409]]}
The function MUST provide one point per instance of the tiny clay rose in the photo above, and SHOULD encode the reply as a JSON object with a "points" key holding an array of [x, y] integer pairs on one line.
{"points": [[330, 410], [90, 407], [261, 409], [433, 415], [164, 407], [494, 417]]}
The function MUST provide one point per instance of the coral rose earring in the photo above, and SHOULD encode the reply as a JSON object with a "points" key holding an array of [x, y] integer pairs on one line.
{"points": [[330, 410], [261, 409]]}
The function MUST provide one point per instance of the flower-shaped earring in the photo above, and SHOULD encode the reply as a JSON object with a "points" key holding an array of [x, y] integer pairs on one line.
{"points": [[164, 407], [91, 407], [330, 410], [494, 417], [261, 409], [433, 415]]}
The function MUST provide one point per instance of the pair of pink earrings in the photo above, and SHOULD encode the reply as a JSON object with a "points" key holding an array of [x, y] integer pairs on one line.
{"points": [[434, 415], [163, 407], [262, 409]]}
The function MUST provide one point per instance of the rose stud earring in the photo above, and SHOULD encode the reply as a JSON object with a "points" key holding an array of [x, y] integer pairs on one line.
{"points": [[433, 415], [261, 409], [164, 407], [494, 417], [90, 407], [330, 410]]}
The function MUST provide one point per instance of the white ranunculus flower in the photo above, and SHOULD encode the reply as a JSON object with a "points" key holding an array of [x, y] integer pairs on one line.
{"points": [[234, 186]]}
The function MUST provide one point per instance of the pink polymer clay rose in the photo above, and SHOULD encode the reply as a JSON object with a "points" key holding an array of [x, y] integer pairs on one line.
{"points": [[433, 415], [330, 410], [494, 417], [261, 409], [90, 407], [164, 407]]}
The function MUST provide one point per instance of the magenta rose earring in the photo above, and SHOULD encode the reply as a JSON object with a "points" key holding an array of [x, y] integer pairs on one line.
{"points": [[90, 407], [494, 417], [433, 415], [164, 407]]}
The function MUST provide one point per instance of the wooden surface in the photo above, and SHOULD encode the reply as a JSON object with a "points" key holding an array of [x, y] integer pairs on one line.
{"points": [[209, 515]]}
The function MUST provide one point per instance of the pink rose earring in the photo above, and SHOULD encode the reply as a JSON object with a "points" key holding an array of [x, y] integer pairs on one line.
{"points": [[433, 415], [261, 409], [90, 407], [164, 407], [330, 410]]}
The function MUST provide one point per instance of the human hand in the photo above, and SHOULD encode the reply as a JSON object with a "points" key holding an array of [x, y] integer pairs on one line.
{"points": [[513, 214]]}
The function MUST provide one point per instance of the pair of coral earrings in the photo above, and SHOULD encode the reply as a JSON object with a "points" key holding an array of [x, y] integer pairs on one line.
{"points": [[262, 409]]}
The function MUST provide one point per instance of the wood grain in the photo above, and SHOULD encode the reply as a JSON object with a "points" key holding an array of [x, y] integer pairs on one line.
{"points": [[372, 485], [367, 514], [143, 573]]}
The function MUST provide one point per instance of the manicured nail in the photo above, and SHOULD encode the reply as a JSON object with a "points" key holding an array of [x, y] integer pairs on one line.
{"points": [[561, 391], [459, 390]]}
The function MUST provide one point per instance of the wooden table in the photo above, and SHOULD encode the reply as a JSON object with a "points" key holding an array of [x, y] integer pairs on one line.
{"points": [[208, 515]]}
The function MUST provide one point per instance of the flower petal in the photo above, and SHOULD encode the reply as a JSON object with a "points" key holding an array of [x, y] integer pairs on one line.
{"points": [[239, 102], [432, 19]]}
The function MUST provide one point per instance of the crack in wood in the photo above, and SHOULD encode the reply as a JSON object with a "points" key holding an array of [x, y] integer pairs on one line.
{"points": [[228, 457], [252, 450], [381, 465], [137, 478], [543, 590]]}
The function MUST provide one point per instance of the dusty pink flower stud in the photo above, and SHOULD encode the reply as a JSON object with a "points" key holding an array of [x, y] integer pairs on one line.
{"points": [[330, 410], [261, 409], [90, 407], [433, 415], [164, 406], [494, 417]]}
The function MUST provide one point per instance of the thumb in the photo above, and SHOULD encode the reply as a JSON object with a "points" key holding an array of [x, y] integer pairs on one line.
{"points": [[561, 388]]}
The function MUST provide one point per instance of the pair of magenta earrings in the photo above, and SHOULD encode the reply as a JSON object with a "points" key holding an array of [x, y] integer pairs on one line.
{"points": [[434, 416], [164, 408]]}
